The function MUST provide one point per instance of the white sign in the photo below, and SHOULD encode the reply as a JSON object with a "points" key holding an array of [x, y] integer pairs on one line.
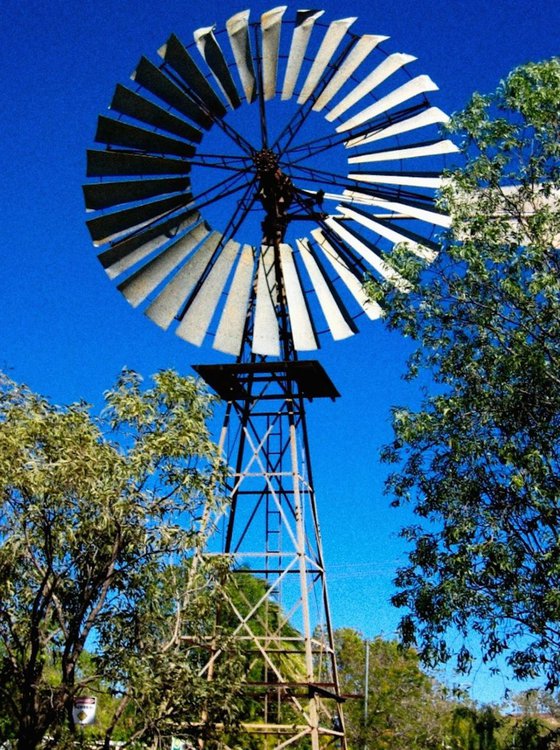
{"points": [[84, 711], [177, 744]]}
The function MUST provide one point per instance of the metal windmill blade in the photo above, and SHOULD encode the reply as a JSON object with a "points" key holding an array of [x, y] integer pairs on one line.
{"points": [[260, 241]]}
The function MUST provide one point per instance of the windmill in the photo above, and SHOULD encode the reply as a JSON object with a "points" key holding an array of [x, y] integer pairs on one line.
{"points": [[243, 186]]}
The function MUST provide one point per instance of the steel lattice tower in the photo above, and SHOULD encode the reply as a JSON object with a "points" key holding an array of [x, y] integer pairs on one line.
{"points": [[272, 530]]}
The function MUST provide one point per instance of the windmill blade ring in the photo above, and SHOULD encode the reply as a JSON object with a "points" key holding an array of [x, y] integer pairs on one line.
{"points": [[245, 182]]}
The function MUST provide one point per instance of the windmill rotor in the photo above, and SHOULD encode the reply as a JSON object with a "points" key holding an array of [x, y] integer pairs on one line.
{"points": [[220, 234]]}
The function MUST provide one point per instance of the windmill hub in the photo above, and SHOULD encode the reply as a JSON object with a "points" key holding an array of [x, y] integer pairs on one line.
{"points": [[276, 193], [266, 161]]}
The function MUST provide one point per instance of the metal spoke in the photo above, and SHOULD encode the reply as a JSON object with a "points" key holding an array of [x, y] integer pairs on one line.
{"points": [[225, 193], [235, 136], [299, 118], [260, 91], [236, 220], [244, 205], [221, 161], [322, 177], [316, 146]]}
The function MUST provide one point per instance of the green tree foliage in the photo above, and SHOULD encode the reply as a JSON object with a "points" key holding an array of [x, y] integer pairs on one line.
{"points": [[99, 526], [247, 611], [476, 728], [530, 733], [405, 707], [479, 461], [534, 722]]}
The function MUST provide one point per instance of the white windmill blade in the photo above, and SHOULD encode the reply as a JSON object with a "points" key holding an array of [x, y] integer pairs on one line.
{"points": [[401, 178], [331, 41], [393, 235], [115, 163], [436, 148], [157, 82], [415, 87], [266, 334], [300, 321], [229, 335], [377, 263], [194, 324], [430, 116], [353, 284], [365, 200], [177, 57], [271, 26], [543, 196], [176, 292], [143, 282], [238, 32], [401, 207], [110, 227], [336, 317], [143, 250], [138, 140], [212, 53], [133, 105], [360, 51], [123, 193], [305, 21], [385, 69]]}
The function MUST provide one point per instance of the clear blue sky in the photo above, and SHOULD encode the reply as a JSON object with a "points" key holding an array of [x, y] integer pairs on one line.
{"points": [[67, 333]]}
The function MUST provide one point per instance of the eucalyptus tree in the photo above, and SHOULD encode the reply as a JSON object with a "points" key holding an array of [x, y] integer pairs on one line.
{"points": [[100, 522], [405, 707], [479, 460]]}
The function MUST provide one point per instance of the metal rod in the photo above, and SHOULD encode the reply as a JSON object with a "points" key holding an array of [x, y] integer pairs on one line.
{"points": [[366, 694]]}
